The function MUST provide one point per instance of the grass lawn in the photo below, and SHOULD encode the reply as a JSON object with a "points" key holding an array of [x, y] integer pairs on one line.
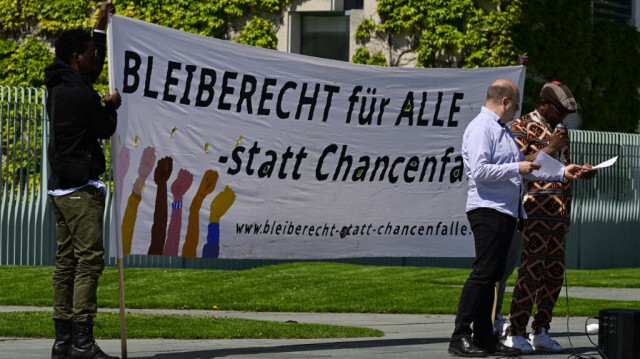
{"points": [[40, 325], [291, 287]]}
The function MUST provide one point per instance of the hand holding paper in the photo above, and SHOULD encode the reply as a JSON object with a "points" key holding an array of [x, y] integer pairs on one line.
{"points": [[604, 164], [590, 171], [548, 163], [526, 167], [587, 174], [573, 171], [549, 166]]}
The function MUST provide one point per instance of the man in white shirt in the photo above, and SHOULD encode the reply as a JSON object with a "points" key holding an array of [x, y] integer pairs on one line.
{"points": [[494, 167]]}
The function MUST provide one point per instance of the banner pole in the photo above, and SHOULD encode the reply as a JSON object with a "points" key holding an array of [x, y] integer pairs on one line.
{"points": [[119, 261], [495, 303], [123, 324]]}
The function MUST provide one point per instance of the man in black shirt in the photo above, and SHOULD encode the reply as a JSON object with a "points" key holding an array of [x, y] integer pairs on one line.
{"points": [[79, 121]]}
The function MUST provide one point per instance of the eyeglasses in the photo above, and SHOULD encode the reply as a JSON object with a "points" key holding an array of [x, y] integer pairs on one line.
{"points": [[94, 52], [561, 114]]}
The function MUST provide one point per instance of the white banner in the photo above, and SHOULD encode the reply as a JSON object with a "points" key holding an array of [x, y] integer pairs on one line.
{"points": [[230, 151]]}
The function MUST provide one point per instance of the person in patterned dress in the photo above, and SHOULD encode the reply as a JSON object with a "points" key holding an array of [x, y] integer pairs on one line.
{"points": [[548, 207]]}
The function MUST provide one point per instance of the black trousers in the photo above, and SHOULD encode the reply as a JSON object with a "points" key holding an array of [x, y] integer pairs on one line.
{"points": [[492, 232]]}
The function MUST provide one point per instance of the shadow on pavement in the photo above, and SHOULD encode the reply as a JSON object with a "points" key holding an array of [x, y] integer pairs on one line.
{"points": [[345, 345], [299, 348]]}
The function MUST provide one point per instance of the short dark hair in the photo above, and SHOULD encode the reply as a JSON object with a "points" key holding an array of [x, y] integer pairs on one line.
{"points": [[70, 42], [495, 93]]}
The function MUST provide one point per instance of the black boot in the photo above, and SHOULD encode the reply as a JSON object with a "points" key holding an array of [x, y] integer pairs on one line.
{"points": [[62, 344], [83, 345]]}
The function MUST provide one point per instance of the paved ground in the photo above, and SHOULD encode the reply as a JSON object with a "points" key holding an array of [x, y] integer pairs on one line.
{"points": [[406, 336]]}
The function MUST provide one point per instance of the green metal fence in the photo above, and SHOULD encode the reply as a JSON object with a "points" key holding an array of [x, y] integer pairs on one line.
{"points": [[605, 229], [25, 219], [605, 220]]}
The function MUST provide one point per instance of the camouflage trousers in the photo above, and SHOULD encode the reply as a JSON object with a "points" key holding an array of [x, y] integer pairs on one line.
{"points": [[80, 254]]}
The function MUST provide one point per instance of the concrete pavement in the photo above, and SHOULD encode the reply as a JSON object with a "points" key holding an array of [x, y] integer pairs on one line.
{"points": [[406, 336]]}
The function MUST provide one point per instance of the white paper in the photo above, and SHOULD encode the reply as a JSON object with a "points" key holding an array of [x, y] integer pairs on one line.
{"points": [[604, 164], [548, 165]]}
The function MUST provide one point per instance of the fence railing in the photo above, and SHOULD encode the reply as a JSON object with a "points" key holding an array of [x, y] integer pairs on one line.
{"points": [[25, 218], [605, 229]]}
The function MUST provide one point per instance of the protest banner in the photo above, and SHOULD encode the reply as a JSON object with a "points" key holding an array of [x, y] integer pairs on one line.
{"points": [[229, 151]]}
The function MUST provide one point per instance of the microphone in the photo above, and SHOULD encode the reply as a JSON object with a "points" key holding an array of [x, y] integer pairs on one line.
{"points": [[561, 127]]}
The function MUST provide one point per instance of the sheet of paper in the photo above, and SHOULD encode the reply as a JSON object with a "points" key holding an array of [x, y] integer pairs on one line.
{"points": [[548, 165], [604, 164]]}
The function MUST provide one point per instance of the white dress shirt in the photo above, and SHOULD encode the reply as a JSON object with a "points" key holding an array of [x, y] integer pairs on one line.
{"points": [[491, 157]]}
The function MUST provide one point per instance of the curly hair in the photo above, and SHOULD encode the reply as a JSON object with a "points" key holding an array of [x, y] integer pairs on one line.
{"points": [[70, 42]]}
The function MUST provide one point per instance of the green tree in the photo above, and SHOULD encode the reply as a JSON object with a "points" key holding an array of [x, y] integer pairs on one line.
{"points": [[445, 33], [259, 32], [363, 56], [23, 65], [595, 58], [612, 102], [29, 27]]}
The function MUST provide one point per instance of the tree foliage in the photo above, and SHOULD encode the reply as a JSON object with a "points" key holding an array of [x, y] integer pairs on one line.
{"points": [[596, 59], [258, 32], [23, 65], [29, 27], [446, 33], [363, 56], [612, 102]]}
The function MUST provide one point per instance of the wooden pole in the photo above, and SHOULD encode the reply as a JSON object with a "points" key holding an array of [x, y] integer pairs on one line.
{"points": [[123, 323], [495, 303]]}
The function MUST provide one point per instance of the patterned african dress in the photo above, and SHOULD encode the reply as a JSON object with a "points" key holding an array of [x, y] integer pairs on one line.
{"points": [[548, 206]]}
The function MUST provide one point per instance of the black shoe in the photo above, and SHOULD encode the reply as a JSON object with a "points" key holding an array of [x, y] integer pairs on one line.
{"points": [[465, 347], [501, 349]]}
